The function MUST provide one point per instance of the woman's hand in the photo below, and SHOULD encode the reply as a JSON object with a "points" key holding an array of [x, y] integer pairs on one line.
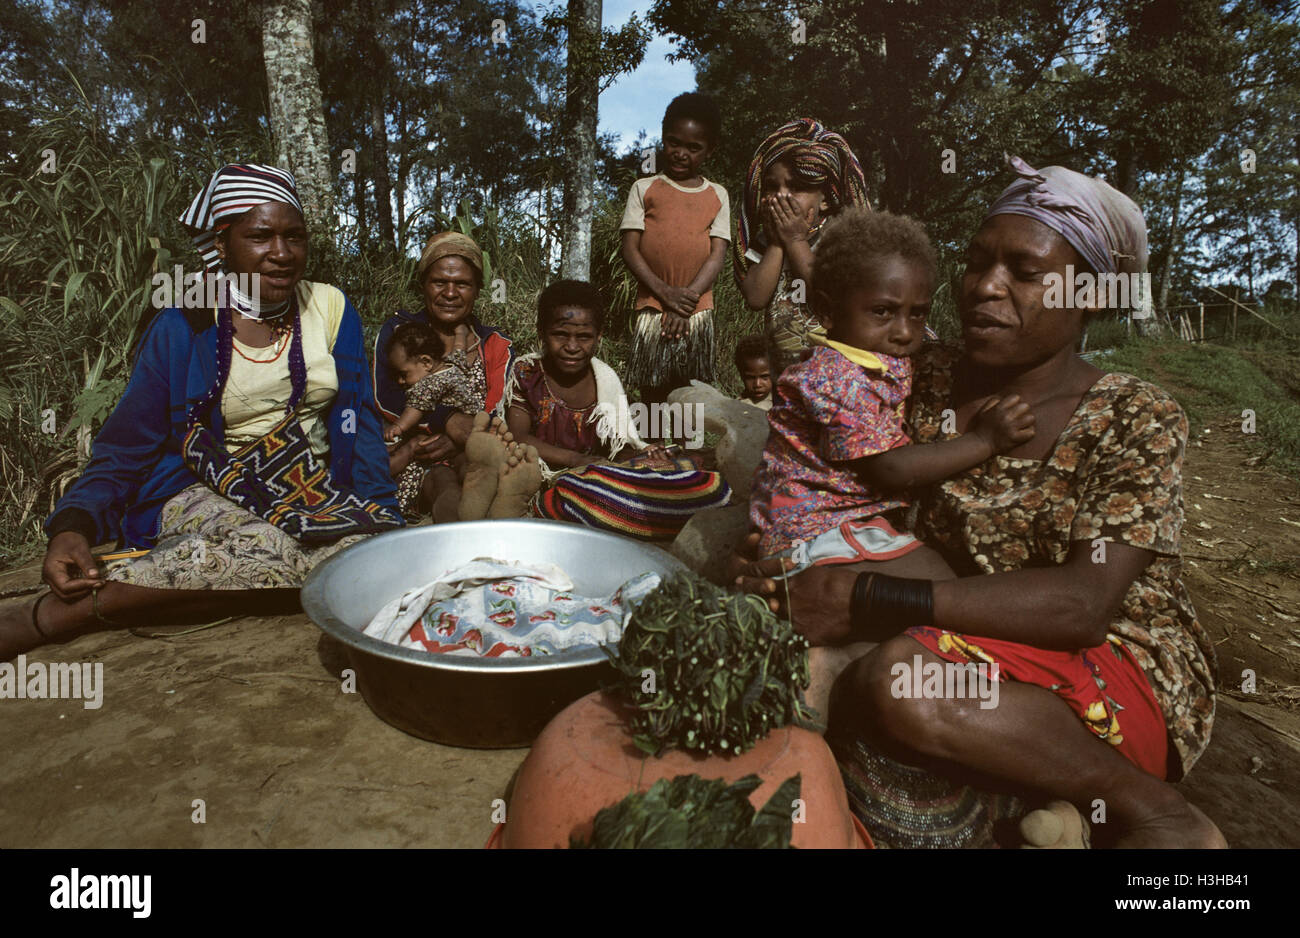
{"points": [[69, 567], [819, 597], [422, 448]]}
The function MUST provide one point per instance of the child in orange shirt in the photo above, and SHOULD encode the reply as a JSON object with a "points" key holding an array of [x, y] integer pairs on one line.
{"points": [[676, 230]]}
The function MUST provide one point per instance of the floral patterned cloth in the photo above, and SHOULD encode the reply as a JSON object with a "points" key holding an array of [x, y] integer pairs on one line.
{"points": [[207, 542], [827, 412], [1115, 474], [506, 609]]}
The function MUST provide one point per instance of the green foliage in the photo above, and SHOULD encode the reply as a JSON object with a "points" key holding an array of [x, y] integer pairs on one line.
{"points": [[76, 258], [690, 812], [726, 670], [1216, 383]]}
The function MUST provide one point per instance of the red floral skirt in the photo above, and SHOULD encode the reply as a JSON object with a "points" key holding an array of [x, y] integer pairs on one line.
{"points": [[1105, 686]]}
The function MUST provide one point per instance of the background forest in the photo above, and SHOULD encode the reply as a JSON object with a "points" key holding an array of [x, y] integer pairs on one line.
{"points": [[461, 113]]}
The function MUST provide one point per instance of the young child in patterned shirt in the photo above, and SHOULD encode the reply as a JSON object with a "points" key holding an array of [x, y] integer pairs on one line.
{"points": [[838, 460]]}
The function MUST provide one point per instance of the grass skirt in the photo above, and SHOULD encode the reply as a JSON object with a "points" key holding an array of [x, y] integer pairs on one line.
{"points": [[656, 363]]}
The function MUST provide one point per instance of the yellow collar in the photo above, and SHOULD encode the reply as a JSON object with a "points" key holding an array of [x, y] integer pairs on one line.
{"points": [[856, 355]]}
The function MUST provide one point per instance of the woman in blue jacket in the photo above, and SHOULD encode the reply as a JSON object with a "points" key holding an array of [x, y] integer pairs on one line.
{"points": [[264, 399]]}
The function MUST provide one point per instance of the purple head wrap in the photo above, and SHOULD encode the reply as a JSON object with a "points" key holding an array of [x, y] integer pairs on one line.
{"points": [[1103, 224]]}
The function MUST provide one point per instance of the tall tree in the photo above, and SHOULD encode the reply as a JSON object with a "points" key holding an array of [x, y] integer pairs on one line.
{"points": [[581, 94], [297, 114]]}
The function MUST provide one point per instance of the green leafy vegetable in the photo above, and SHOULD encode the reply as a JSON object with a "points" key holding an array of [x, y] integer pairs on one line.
{"points": [[726, 670], [689, 812]]}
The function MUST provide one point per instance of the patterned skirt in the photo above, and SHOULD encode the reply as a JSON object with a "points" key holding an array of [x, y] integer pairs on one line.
{"points": [[656, 362], [647, 504], [207, 542], [904, 806]]}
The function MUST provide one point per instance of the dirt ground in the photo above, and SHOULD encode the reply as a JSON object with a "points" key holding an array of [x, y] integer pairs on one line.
{"points": [[250, 716]]}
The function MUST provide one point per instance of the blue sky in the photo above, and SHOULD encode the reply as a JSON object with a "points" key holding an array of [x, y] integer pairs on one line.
{"points": [[637, 100]]}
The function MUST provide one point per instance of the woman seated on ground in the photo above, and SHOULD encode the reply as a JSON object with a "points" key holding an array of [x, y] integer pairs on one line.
{"points": [[450, 275], [1067, 554], [264, 399], [567, 432]]}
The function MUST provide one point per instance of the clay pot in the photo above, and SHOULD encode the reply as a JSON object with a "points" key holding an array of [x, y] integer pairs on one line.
{"points": [[585, 760]]}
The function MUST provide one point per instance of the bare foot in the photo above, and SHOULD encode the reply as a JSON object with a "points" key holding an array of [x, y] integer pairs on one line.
{"points": [[1058, 826], [485, 455], [521, 477], [1182, 829], [17, 634]]}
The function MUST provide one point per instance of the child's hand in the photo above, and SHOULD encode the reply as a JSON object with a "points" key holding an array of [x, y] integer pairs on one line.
{"points": [[1004, 423], [673, 325], [392, 433], [788, 223], [679, 300]]}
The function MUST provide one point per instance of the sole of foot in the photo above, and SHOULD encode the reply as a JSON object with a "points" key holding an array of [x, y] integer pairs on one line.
{"points": [[1058, 826], [520, 479], [485, 454]]}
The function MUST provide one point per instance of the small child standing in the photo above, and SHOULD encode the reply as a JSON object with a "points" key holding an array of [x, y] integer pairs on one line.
{"points": [[431, 380], [800, 175], [752, 362], [838, 459], [675, 232]]}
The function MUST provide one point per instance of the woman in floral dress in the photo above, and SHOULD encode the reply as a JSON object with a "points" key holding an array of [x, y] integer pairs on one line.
{"points": [[1067, 555]]}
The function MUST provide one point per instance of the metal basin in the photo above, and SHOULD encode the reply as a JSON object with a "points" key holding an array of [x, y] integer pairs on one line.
{"points": [[453, 699]]}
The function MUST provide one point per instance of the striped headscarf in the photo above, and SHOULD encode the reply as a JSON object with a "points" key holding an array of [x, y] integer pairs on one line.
{"points": [[818, 157], [233, 190]]}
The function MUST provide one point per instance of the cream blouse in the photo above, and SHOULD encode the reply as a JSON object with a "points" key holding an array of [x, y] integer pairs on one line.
{"points": [[259, 385]]}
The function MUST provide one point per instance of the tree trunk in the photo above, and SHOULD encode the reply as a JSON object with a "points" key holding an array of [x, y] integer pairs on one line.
{"points": [[1126, 173], [379, 170], [1171, 249], [582, 91], [359, 200], [297, 115], [403, 149]]}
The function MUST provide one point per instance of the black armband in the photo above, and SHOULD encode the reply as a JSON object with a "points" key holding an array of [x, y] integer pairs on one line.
{"points": [[885, 606]]}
